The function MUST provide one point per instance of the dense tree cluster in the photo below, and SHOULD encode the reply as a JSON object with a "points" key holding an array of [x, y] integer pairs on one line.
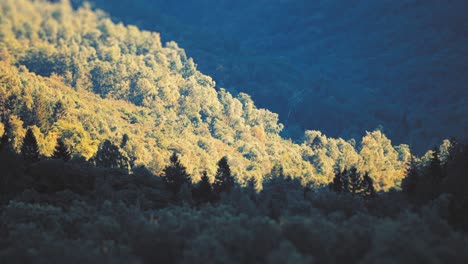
{"points": [[351, 181], [74, 212]]}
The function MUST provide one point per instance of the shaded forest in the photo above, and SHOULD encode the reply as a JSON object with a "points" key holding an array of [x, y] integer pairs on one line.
{"points": [[340, 68], [116, 148]]}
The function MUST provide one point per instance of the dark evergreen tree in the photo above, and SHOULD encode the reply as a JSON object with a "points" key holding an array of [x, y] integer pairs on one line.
{"points": [[30, 148], [355, 181], [251, 189], [124, 141], [110, 156], [61, 151], [435, 166], [224, 181], [203, 193], [277, 171], [368, 187], [337, 184], [4, 142], [410, 182], [123, 144], [340, 182], [175, 174], [252, 184]]}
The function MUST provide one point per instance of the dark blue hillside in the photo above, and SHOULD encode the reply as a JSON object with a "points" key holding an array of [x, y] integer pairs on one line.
{"points": [[341, 67]]}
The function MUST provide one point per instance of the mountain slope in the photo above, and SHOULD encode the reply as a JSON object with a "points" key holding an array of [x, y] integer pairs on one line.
{"points": [[339, 67], [77, 75]]}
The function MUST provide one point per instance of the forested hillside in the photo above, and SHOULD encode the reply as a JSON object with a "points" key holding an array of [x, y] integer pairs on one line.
{"points": [[334, 66], [78, 76], [115, 148]]}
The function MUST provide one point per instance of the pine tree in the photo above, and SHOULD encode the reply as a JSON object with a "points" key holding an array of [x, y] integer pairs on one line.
{"points": [[338, 183], [203, 193], [109, 156], [61, 151], [30, 148], [368, 186], [224, 181], [355, 181], [435, 166], [175, 174], [124, 141], [410, 182], [4, 142], [345, 181], [123, 144], [351, 181]]}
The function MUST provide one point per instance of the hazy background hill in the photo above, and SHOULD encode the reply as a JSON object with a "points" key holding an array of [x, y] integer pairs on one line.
{"points": [[341, 67]]}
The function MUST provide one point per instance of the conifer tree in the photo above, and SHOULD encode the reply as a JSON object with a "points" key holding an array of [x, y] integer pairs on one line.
{"points": [[30, 148], [109, 156], [124, 141], [204, 191], [175, 174], [4, 142], [341, 182], [61, 151], [337, 185], [123, 144], [277, 171], [355, 181], [368, 186], [435, 166], [351, 181], [224, 181], [410, 182]]}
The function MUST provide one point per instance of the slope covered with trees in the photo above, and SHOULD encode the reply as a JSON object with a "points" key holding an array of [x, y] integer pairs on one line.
{"points": [[114, 148], [77, 76]]}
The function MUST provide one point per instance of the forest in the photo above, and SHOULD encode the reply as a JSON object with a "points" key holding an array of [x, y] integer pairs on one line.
{"points": [[115, 147], [302, 59]]}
